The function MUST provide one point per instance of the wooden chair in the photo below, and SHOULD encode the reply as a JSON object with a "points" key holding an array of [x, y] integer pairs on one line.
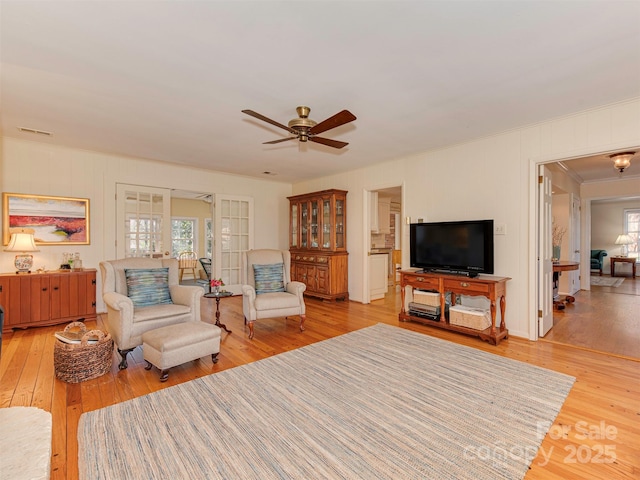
{"points": [[187, 261]]}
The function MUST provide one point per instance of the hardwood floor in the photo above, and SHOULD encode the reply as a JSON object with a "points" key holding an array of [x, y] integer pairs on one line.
{"points": [[596, 434], [605, 319]]}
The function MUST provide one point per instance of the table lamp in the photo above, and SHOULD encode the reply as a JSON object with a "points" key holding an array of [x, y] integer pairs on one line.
{"points": [[22, 241], [624, 240]]}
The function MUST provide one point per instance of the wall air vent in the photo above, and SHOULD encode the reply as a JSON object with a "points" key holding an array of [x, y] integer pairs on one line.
{"points": [[33, 130]]}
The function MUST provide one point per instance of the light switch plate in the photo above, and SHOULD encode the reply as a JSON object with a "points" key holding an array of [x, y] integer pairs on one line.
{"points": [[500, 229]]}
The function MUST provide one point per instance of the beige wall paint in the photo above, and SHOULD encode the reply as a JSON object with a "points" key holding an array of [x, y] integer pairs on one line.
{"points": [[39, 168], [487, 178]]}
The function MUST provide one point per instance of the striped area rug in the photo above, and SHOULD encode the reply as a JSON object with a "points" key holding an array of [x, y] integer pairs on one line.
{"points": [[378, 403]]}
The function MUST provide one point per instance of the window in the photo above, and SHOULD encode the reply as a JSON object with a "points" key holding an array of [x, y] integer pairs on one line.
{"points": [[632, 228], [184, 235]]}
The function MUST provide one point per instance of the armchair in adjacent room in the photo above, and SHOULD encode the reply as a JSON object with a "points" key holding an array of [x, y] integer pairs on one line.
{"points": [[267, 290], [597, 260], [143, 294]]}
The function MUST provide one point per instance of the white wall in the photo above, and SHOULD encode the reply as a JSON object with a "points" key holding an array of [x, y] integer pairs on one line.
{"points": [[491, 177], [42, 169]]}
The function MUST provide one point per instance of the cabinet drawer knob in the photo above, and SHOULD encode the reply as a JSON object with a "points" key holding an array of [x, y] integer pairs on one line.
{"points": [[420, 279], [44, 289], [464, 284]]}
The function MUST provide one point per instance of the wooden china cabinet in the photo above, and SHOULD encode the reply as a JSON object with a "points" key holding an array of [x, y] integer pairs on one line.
{"points": [[318, 243]]}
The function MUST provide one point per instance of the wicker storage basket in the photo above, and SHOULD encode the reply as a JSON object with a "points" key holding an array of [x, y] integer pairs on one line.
{"points": [[79, 362], [426, 298], [469, 317]]}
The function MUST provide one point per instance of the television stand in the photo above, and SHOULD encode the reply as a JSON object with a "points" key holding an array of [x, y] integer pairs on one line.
{"points": [[489, 286]]}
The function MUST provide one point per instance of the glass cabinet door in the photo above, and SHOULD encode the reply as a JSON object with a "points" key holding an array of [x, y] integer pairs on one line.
{"points": [[294, 226], [340, 222], [304, 225], [314, 224], [326, 223]]}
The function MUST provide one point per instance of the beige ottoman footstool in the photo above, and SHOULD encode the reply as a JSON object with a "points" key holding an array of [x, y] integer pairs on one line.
{"points": [[173, 345]]}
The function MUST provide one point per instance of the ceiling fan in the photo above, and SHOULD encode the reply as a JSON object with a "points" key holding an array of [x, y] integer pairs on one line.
{"points": [[306, 129]]}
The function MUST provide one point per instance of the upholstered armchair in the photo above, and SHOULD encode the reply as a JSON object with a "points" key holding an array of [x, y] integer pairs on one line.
{"points": [[267, 290], [143, 294], [597, 259]]}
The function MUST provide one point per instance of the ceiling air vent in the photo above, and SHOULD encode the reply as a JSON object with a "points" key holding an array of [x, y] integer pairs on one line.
{"points": [[33, 130]]}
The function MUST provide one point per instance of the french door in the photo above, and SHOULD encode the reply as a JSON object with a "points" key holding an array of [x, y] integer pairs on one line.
{"points": [[233, 236], [143, 221], [545, 263]]}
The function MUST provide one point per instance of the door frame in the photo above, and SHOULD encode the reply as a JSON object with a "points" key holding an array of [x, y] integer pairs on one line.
{"points": [[366, 233], [534, 226]]}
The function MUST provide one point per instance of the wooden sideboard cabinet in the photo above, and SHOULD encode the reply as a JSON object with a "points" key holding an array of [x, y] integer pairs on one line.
{"points": [[49, 298], [318, 243], [489, 286]]}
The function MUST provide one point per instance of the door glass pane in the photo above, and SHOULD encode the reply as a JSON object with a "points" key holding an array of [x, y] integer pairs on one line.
{"points": [[143, 213], [235, 238], [326, 224], [304, 225], [340, 223], [314, 224], [294, 225]]}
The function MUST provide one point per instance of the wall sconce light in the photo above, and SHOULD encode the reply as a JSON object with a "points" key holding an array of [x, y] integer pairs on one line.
{"points": [[622, 160], [22, 241]]}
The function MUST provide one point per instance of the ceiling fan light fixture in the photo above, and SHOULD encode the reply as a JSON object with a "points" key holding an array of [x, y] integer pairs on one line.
{"points": [[622, 160], [307, 130]]}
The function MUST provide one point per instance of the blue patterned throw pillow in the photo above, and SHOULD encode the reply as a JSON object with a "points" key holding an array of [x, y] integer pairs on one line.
{"points": [[148, 286], [269, 278]]}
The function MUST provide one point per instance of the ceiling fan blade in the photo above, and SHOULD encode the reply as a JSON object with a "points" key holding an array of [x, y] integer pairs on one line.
{"points": [[328, 142], [340, 118], [278, 141], [268, 120]]}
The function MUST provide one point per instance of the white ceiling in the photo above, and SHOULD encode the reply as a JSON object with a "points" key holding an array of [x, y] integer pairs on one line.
{"points": [[167, 80]]}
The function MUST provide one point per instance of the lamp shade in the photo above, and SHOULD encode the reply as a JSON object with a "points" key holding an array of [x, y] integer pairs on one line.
{"points": [[624, 239], [21, 242]]}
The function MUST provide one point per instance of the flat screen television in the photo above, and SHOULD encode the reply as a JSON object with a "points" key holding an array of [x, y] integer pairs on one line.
{"points": [[463, 247]]}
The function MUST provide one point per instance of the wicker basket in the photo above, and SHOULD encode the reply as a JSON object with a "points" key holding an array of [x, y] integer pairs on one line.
{"points": [[426, 298], [76, 363], [475, 318]]}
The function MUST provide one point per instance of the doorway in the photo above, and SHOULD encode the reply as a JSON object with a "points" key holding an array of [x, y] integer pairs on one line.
{"points": [[222, 227], [383, 240], [578, 218]]}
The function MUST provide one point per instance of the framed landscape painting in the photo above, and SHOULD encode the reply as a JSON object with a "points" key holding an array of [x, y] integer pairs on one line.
{"points": [[55, 220]]}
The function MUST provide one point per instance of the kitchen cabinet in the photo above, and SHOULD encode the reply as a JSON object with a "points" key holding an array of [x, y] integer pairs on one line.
{"points": [[378, 275], [317, 242], [384, 215], [373, 212]]}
